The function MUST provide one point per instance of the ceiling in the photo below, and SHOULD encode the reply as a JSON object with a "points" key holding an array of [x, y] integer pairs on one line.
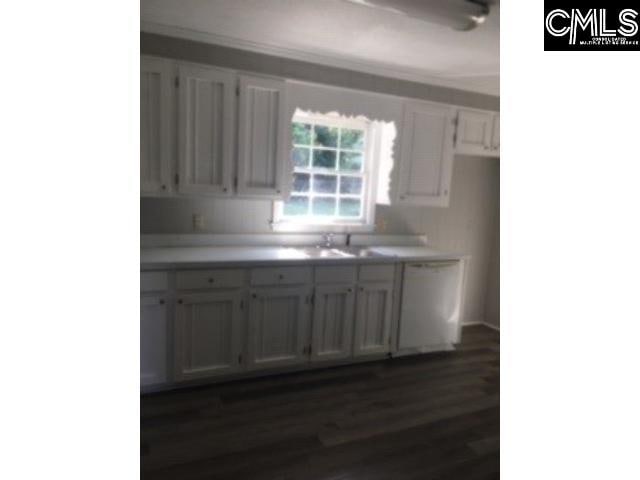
{"points": [[340, 33]]}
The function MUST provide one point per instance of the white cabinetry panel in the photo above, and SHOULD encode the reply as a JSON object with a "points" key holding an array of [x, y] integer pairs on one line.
{"points": [[373, 318], [206, 129], [263, 154], [153, 340], [478, 133], [426, 160], [495, 136], [278, 326], [156, 113], [208, 334], [332, 322]]}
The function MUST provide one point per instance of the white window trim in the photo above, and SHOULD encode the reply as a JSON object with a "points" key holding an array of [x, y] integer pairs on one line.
{"points": [[366, 223]]}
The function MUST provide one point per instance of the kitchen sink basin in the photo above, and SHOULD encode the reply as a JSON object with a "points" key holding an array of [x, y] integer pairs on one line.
{"points": [[339, 252]]}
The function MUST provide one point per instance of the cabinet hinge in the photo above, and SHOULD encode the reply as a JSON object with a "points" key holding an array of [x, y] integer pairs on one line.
{"points": [[237, 90], [313, 299], [176, 82], [241, 304], [235, 182], [309, 349], [177, 178], [240, 358]]}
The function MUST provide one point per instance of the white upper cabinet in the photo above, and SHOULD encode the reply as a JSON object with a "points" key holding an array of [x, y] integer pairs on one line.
{"points": [[332, 329], [206, 119], [495, 136], [208, 334], [278, 326], [263, 138], [156, 114], [426, 155], [478, 133]]}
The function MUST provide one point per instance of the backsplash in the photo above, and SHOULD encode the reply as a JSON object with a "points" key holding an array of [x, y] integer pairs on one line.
{"points": [[469, 225]]}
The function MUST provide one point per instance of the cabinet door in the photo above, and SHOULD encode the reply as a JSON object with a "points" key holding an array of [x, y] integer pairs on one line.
{"points": [[156, 101], [373, 319], [495, 134], [263, 156], [332, 328], [206, 129], [474, 132], [278, 326], [208, 334], [153, 340], [426, 155]]}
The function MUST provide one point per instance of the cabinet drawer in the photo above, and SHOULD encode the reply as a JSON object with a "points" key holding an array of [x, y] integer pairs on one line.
{"points": [[154, 281], [336, 274], [199, 279], [281, 276], [376, 273]]}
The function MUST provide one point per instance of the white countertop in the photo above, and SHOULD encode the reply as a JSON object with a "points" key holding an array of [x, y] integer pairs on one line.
{"points": [[180, 257]]}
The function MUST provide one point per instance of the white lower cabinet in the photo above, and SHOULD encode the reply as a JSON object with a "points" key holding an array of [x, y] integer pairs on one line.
{"points": [[278, 326], [208, 334], [373, 318], [332, 329], [153, 340]]}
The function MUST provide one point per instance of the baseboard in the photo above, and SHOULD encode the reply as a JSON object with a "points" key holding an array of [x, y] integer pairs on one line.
{"points": [[493, 327]]}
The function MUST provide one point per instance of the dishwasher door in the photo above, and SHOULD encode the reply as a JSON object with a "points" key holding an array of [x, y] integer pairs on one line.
{"points": [[431, 303]]}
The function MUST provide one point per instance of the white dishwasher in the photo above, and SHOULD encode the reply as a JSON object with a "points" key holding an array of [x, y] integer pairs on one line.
{"points": [[431, 304]]}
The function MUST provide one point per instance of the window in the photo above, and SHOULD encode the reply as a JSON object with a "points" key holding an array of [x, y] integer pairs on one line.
{"points": [[332, 165]]}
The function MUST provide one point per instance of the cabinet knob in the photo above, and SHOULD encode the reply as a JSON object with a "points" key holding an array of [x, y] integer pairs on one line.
{"points": [[254, 295], [211, 280], [224, 189], [349, 290], [180, 301], [164, 187], [162, 301], [281, 277]]}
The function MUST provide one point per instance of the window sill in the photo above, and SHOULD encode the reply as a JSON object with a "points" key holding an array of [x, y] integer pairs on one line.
{"points": [[328, 228]]}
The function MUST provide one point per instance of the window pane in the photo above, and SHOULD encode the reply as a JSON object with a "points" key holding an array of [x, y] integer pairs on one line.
{"points": [[350, 162], [352, 185], [349, 207], [301, 157], [352, 139], [301, 182], [324, 206], [324, 159], [296, 205], [301, 133], [325, 183], [326, 136]]}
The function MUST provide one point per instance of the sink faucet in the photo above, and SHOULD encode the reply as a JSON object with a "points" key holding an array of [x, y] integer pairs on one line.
{"points": [[328, 240]]}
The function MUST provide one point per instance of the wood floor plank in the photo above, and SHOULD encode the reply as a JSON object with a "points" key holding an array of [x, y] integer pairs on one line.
{"points": [[420, 417]]}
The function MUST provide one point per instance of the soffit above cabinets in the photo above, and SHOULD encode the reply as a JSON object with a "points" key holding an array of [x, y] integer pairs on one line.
{"points": [[342, 34]]}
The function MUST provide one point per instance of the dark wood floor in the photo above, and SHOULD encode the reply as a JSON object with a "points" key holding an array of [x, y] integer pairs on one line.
{"points": [[432, 416]]}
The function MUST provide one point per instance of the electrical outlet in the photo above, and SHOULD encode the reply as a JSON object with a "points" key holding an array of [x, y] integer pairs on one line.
{"points": [[198, 221]]}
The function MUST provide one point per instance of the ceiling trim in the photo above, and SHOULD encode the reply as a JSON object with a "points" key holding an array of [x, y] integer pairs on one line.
{"points": [[374, 68]]}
